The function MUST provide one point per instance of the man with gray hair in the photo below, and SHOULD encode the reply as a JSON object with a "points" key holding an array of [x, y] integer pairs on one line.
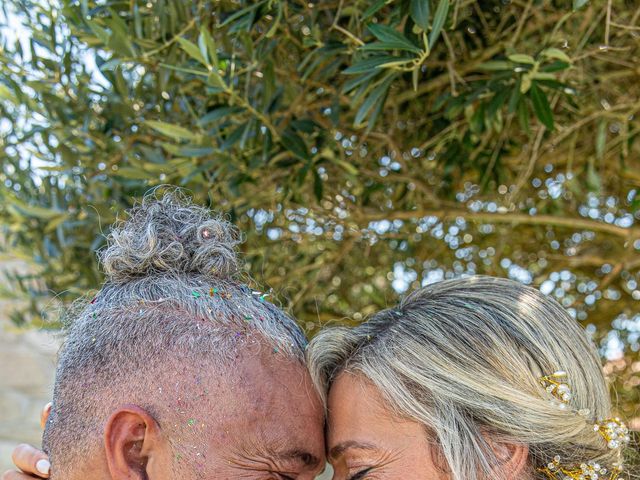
{"points": [[175, 369]]}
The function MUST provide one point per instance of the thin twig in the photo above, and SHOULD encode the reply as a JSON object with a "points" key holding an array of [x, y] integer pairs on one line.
{"points": [[607, 26], [338, 12], [344, 31], [442, 79], [496, 152], [624, 27], [509, 217], [521, 23], [348, 34], [450, 63], [524, 177], [174, 39]]}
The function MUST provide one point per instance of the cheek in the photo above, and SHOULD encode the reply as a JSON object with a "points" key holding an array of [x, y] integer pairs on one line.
{"points": [[423, 458]]}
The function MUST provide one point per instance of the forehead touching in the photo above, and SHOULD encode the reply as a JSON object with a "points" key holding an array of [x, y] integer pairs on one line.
{"points": [[360, 418], [262, 411]]}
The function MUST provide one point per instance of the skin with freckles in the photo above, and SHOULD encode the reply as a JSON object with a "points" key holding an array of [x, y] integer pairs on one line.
{"points": [[270, 425], [366, 441], [262, 421]]}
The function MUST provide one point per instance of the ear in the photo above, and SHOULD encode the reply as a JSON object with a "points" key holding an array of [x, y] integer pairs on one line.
{"points": [[134, 444], [513, 459]]}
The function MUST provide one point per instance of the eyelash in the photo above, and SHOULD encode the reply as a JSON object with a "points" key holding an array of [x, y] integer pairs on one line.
{"points": [[360, 474]]}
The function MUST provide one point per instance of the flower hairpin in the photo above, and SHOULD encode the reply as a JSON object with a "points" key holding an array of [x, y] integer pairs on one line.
{"points": [[586, 471], [613, 430], [557, 385]]}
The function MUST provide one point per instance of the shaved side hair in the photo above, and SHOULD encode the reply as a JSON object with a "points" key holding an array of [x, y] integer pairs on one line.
{"points": [[172, 307]]}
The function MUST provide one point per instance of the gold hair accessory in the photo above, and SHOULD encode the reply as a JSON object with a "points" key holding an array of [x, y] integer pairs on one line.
{"points": [[612, 430], [586, 471], [556, 384]]}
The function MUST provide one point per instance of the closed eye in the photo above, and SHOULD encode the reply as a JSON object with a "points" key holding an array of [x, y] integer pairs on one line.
{"points": [[280, 476], [361, 474]]}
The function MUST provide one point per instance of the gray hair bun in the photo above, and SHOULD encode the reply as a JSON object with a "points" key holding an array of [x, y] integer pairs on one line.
{"points": [[170, 235]]}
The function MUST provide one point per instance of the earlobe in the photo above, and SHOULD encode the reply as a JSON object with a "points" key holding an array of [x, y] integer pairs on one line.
{"points": [[130, 439]]}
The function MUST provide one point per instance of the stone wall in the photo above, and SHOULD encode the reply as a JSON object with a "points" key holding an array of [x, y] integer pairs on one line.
{"points": [[27, 361], [27, 364]]}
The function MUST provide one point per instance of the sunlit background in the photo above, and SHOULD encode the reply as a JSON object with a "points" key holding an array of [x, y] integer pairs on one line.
{"points": [[495, 137]]}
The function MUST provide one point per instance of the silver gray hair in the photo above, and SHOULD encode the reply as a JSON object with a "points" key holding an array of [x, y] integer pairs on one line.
{"points": [[464, 358], [172, 303]]}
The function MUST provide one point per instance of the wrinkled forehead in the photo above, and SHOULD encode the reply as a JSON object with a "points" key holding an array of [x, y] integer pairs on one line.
{"points": [[267, 388], [262, 401]]}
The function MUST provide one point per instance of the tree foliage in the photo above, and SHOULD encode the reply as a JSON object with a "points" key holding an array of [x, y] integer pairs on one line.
{"points": [[364, 148]]}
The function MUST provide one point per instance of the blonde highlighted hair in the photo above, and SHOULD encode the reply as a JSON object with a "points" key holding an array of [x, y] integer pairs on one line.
{"points": [[464, 358]]}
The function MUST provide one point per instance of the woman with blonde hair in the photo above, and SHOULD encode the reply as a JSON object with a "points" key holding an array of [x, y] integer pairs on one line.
{"points": [[468, 379]]}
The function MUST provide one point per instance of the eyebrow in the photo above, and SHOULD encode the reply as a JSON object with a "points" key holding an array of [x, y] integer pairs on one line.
{"points": [[340, 448], [307, 459]]}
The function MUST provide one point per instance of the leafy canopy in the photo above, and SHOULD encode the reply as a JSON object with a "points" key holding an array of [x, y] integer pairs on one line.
{"points": [[365, 148]]}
